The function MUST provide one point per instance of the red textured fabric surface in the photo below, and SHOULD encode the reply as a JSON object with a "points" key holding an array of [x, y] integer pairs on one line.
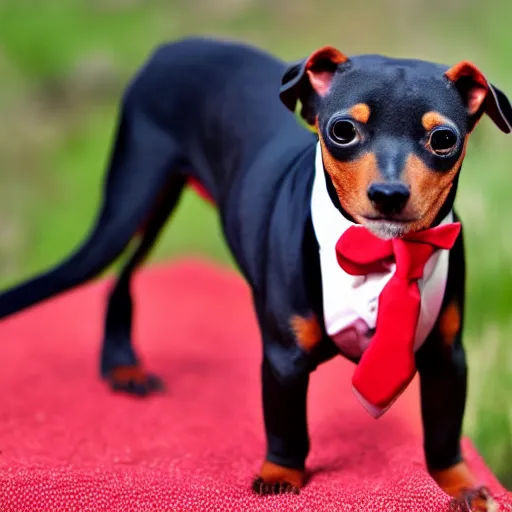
{"points": [[69, 444]]}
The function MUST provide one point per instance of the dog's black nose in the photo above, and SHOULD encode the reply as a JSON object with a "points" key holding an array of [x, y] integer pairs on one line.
{"points": [[388, 198]]}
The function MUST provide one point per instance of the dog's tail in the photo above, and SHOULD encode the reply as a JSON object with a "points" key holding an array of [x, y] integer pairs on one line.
{"points": [[143, 162]]}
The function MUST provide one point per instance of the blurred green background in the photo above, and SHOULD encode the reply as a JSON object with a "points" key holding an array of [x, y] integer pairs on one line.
{"points": [[64, 63]]}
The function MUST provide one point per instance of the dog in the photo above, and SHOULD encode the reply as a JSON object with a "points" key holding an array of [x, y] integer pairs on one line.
{"points": [[326, 173]]}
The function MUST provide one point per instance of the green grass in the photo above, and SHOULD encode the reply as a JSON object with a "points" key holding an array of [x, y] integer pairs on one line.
{"points": [[58, 123]]}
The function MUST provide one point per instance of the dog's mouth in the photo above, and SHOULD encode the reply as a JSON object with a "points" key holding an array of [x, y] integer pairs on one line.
{"points": [[390, 218], [387, 227]]}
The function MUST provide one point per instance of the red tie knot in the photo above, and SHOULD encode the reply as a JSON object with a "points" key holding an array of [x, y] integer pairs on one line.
{"points": [[410, 258]]}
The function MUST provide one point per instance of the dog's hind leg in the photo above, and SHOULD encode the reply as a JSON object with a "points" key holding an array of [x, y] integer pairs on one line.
{"points": [[144, 156], [119, 363]]}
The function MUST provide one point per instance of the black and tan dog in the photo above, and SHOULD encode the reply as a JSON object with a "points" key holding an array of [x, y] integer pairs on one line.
{"points": [[391, 138]]}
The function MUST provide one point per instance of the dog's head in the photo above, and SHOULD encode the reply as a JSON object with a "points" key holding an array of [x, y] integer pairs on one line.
{"points": [[393, 132]]}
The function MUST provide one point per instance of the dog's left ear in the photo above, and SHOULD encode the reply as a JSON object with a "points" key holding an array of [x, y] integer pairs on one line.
{"points": [[480, 96], [310, 79]]}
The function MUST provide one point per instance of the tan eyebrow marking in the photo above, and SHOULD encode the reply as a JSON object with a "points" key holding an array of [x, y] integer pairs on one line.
{"points": [[432, 119], [360, 112]]}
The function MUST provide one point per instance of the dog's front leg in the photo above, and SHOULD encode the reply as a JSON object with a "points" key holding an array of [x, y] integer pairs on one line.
{"points": [[443, 376], [284, 408]]}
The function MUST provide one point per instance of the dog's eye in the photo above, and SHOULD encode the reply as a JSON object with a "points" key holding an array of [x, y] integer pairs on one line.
{"points": [[443, 140], [343, 132]]}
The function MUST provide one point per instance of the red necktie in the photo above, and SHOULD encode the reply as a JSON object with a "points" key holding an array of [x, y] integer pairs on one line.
{"points": [[387, 365]]}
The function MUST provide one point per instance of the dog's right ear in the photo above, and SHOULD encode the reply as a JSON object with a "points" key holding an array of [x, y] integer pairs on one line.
{"points": [[309, 79], [480, 96]]}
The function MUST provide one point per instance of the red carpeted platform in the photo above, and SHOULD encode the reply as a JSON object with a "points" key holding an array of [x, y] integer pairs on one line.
{"points": [[67, 443]]}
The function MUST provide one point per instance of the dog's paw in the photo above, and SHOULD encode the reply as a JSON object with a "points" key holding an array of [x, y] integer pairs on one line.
{"points": [[474, 500], [259, 486], [468, 495], [134, 380], [276, 479]]}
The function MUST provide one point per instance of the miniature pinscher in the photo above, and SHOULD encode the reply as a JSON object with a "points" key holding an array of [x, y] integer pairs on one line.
{"points": [[328, 225]]}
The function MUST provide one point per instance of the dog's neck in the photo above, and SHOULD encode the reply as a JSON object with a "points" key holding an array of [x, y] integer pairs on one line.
{"points": [[330, 220]]}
